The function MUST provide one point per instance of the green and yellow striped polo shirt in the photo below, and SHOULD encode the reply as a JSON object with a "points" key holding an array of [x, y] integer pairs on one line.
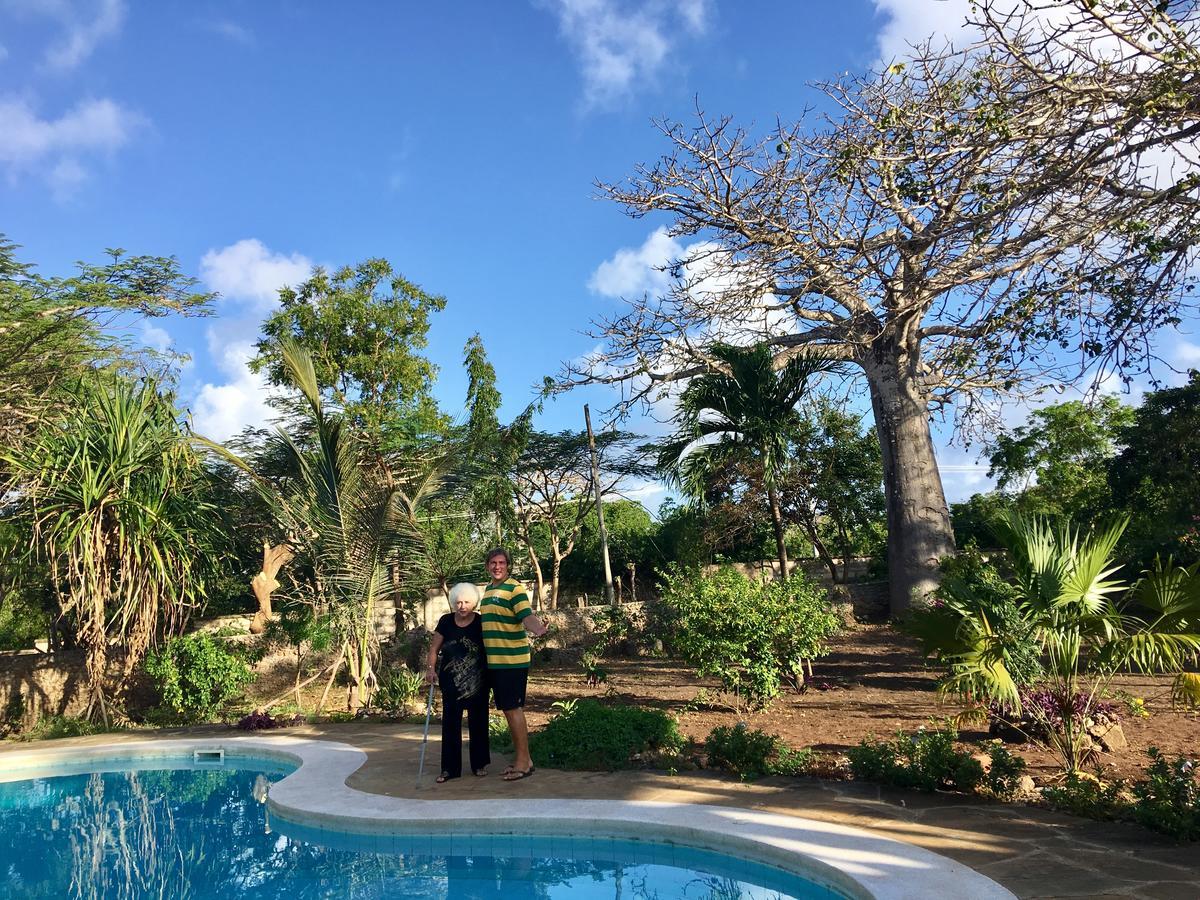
{"points": [[503, 608]]}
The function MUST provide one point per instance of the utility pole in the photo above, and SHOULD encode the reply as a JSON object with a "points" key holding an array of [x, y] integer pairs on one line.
{"points": [[608, 579]]}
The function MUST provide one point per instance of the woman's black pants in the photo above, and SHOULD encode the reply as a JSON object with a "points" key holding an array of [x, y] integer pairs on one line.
{"points": [[476, 709]]}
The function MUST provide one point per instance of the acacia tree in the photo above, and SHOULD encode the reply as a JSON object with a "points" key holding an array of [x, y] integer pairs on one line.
{"points": [[552, 486], [954, 231], [55, 331]]}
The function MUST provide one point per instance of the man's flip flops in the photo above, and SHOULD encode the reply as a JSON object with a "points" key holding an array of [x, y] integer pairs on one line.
{"points": [[517, 774]]}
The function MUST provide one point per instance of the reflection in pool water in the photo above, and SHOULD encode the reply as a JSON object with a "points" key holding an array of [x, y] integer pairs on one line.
{"points": [[204, 833]]}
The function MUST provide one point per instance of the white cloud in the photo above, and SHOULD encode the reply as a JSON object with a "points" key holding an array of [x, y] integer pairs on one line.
{"points": [[909, 22], [85, 25], [637, 270], [54, 148], [622, 45], [66, 178], [1187, 354], [231, 31], [155, 338], [249, 270], [221, 411]]}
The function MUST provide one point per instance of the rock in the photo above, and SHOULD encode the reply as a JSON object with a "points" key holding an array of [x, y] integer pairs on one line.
{"points": [[1111, 737], [1026, 787], [984, 759]]}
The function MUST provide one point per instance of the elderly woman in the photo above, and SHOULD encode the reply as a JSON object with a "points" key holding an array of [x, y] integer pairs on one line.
{"points": [[459, 638]]}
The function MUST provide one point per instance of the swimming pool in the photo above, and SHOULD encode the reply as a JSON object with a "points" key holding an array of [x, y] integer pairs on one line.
{"points": [[202, 831], [581, 842]]}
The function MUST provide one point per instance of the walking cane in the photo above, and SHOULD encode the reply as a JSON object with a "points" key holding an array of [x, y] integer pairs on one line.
{"points": [[425, 736]]}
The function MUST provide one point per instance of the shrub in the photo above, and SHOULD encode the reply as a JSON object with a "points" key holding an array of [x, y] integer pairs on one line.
{"points": [[1084, 795], [753, 754], [53, 727], [262, 721], [596, 737], [613, 628], [926, 761], [1169, 799], [197, 676], [397, 689], [751, 635], [1004, 775], [499, 737], [969, 581]]}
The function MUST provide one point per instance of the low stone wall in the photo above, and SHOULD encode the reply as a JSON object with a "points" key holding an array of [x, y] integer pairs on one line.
{"points": [[35, 685]]}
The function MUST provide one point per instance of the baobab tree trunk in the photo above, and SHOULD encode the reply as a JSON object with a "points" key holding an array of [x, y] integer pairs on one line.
{"points": [[777, 523], [918, 519]]}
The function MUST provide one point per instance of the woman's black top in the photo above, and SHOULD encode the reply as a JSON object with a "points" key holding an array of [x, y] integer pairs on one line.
{"points": [[463, 662]]}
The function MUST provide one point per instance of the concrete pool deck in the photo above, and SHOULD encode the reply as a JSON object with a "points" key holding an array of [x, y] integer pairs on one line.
{"points": [[1029, 851]]}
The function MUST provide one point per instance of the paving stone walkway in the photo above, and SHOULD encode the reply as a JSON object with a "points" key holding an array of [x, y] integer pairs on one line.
{"points": [[1033, 852]]}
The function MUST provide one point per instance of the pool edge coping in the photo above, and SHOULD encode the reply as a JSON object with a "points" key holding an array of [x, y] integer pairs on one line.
{"points": [[316, 796]]}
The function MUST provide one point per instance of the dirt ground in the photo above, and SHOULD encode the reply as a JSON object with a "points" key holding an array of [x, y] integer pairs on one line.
{"points": [[874, 683]]}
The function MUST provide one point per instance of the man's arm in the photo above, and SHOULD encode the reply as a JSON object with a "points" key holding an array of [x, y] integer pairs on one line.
{"points": [[534, 625]]}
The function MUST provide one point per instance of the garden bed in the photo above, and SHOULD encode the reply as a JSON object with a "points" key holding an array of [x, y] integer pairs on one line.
{"points": [[873, 683]]}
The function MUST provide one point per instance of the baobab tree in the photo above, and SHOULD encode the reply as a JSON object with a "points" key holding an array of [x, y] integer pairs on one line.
{"points": [[954, 231]]}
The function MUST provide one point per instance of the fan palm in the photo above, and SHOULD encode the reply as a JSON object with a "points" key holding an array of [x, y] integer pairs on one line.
{"points": [[111, 492], [1088, 624], [744, 412]]}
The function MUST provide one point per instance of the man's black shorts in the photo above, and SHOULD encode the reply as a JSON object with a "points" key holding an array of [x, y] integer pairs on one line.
{"points": [[508, 686]]}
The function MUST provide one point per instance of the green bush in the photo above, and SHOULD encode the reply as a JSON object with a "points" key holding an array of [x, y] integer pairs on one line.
{"points": [[53, 727], [589, 735], [1004, 775], [197, 676], [499, 737], [969, 581], [1085, 796], [1169, 799], [926, 761], [397, 689], [749, 634], [753, 754]]}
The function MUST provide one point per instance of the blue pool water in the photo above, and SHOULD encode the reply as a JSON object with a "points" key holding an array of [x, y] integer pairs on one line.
{"points": [[202, 832]]}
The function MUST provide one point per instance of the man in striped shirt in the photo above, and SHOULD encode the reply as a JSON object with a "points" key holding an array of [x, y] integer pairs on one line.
{"points": [[507, 616]]}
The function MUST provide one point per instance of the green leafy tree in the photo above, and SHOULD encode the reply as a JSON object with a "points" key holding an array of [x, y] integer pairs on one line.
{"points": [[1087, 625], [833, 487], [747, 411], [363, 327], [110, 492], [56, 331], [1156, 477], [630, 532], [1056, 464], [975, 518]]}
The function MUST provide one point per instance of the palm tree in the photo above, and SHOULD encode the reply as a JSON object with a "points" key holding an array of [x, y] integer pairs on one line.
{"points": [[744, 412], [351, 515], [1088, 625], [111, 493]]}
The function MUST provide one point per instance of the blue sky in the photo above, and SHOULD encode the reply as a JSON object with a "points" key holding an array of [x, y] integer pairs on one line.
{"points": [[255, 139]]}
